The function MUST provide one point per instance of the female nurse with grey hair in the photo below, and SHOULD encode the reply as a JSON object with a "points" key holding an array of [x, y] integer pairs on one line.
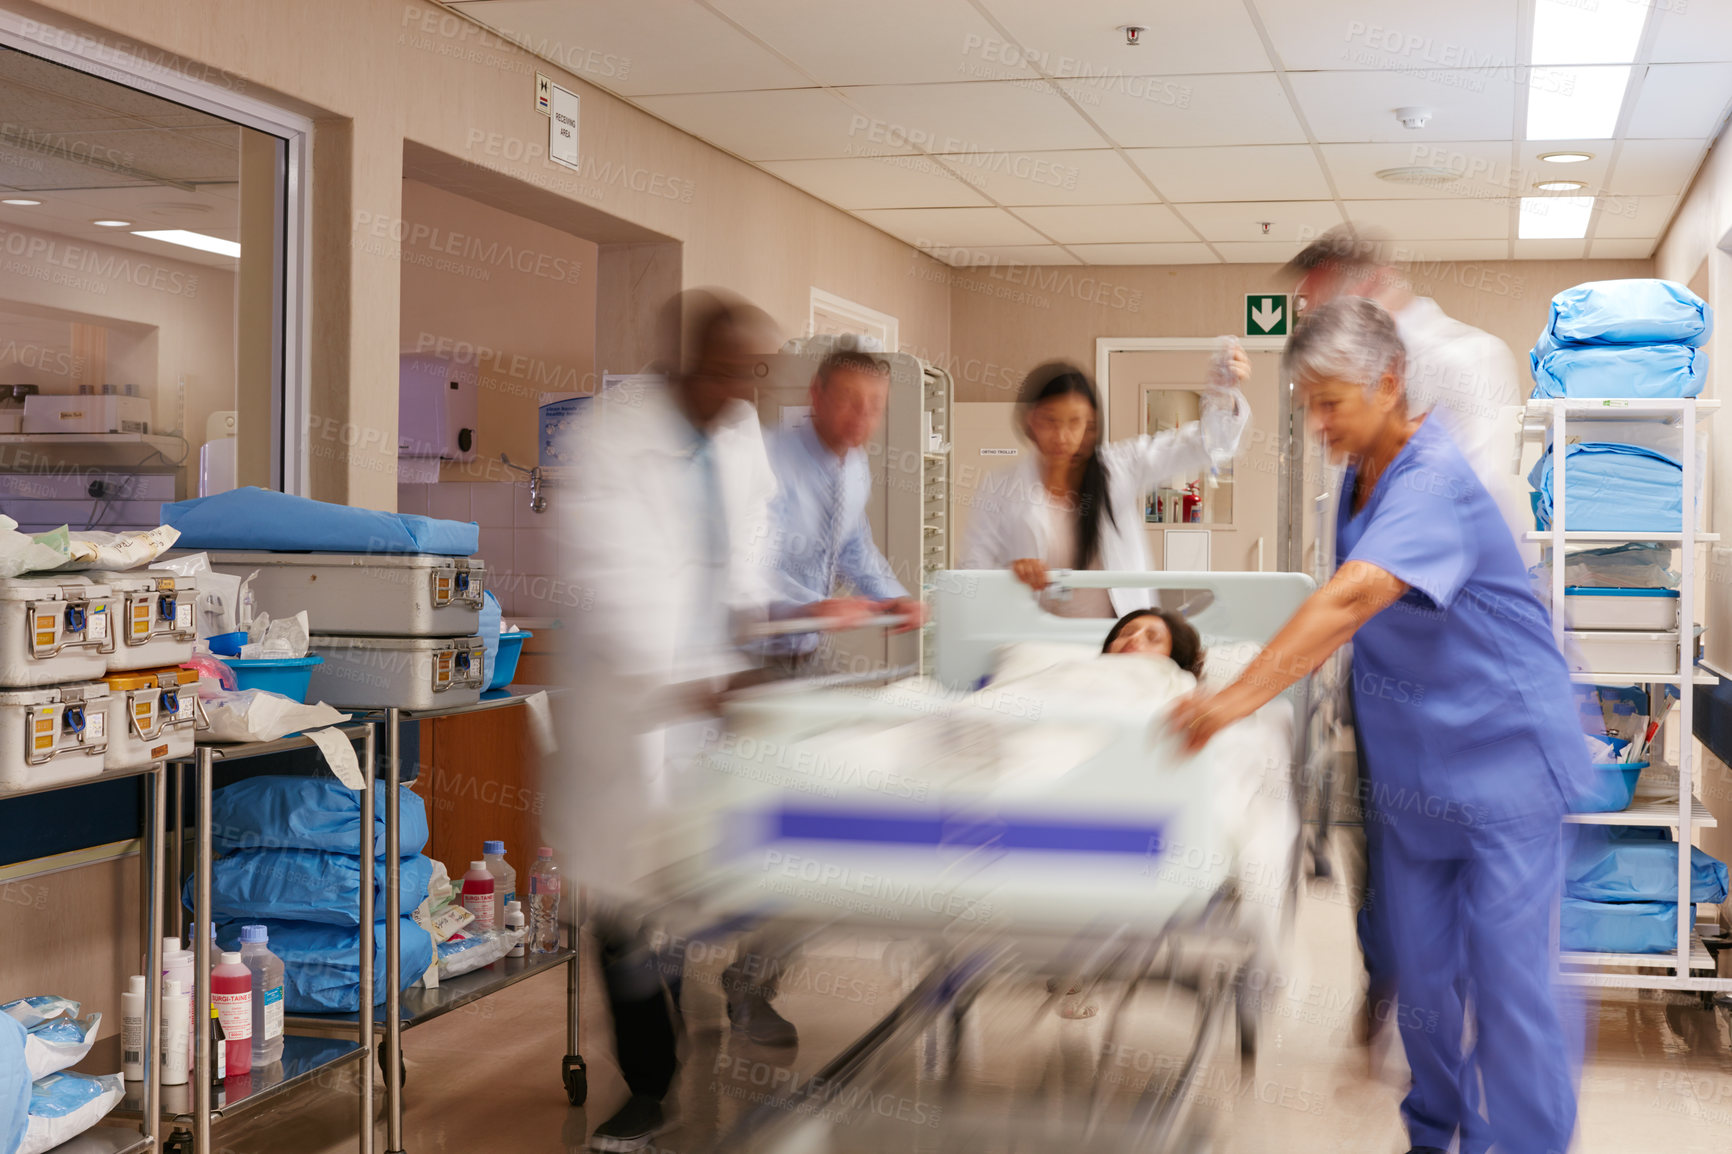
{"points": [[1466, 719]]}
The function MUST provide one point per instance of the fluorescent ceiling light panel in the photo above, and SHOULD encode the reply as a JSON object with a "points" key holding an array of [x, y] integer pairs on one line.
{"points": [[1588, 32], [1575, 103], [1554, 217], [196, 240]]}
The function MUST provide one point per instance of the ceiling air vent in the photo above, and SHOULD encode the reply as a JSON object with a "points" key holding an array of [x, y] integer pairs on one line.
{"points": [[1424, 176]]}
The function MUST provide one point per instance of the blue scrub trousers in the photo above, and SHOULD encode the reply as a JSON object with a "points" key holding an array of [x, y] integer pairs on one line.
{"points": [[1472, 909]]}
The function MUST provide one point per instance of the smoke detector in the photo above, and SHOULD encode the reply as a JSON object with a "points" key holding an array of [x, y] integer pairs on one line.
{"points": [[1413, 116], [1133, 34]]}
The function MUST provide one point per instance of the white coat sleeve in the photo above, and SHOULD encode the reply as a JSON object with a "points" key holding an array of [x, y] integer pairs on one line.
{"points": [[1183, 453]]}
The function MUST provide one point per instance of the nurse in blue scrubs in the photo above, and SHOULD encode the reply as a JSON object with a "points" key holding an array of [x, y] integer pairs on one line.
{"points": [[1465, 714]]}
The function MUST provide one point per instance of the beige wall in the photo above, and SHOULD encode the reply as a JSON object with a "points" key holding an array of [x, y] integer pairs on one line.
{"points": [[375, 73], [510, 296]]}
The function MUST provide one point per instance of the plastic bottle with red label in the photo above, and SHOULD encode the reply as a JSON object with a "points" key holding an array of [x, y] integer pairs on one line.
{"points": [[231, 995]]}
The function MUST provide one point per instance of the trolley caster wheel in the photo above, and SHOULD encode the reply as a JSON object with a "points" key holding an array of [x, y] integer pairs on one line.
{"points": [[180, 1142], [402, 1068], [1247, 1025], [576, 1076]]}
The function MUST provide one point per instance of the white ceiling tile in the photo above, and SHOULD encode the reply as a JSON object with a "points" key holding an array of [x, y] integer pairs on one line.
{"points": [[634, 49], [1691, 31], [1414, 37], [999, 255], [1254, 173], [1356, 107], [983, 116], [1682, 100], [1192, 110], [1298, 221], [1421, 258], [878, 182], [1099, 176], [1082, 38], [1108, 224], [1606, 248], [1467, 169], [904, 41], [1653, 167], [1549, 249], [1633, 217], [929, 228], [1145, 253], [1433, 219], [1258, 252], [795, 124]]}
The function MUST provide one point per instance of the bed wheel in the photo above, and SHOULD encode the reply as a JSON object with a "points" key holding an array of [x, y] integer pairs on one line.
{"points": [[402, 1069], [576, 1076], [1246, 1015], [180, 1142]]}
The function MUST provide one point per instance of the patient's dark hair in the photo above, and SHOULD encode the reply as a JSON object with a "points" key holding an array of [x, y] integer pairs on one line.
{"points": [[1187, 644]]}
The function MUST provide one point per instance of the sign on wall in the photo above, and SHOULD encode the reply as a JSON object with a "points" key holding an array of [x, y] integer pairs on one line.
{"points": [[1267, 314], [562, 129]]}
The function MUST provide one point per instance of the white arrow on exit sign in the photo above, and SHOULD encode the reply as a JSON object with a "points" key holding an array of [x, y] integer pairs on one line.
{"points": [[1266, 315]]}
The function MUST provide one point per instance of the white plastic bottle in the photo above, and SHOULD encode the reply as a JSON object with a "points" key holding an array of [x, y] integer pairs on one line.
{"points": [[176, 1014], [504, 878], [544, 884], [177, 965], [514, 924], [478, 895], [132, 1029], [267, 971]]}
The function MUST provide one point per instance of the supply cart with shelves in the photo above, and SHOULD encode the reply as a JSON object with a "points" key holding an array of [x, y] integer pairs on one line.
{"points": [[407, 1009], [106, 1138], [1666, 795], [935, 526], [197, 1105]]}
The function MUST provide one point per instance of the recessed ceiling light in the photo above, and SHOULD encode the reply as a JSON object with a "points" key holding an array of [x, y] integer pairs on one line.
{"points": [[1566, 157], [1560, 185], [1575, 103], [1554, 217], [21, 201], [1571, 32], [196, 240], [112, 223]]}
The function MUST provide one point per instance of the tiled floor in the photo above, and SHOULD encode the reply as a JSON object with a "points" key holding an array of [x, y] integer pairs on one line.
{"points": [[487, 1078]]}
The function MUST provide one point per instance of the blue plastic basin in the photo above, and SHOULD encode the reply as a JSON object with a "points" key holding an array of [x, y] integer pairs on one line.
{"points": [[288, 676], [227, 644], [505, 664], [1612, 788]]}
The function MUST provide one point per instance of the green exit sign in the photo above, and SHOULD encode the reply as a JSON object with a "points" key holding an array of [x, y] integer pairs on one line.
{"points": [[1267, 314]]}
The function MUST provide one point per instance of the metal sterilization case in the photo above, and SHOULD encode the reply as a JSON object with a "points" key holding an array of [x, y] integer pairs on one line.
{"points": [[405, 672], [52, 735], [54, 630], [152, 714], [153, 617], [366, 594]]}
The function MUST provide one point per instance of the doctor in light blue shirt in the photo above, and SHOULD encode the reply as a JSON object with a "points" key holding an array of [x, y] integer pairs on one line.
{"points": [[819, 535]]}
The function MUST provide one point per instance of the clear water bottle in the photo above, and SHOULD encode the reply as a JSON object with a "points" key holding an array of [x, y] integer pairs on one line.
{"points": [[267, 970], [544, 883]]}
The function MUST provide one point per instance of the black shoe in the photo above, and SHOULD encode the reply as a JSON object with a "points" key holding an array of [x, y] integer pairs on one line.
{"points": [[633, 1128], [754, 1017]]}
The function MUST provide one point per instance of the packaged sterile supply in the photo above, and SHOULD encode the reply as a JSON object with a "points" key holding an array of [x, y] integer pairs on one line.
{"points": [[132, 1028], [276, 637], [267, 971], [259, 715], [514, 924], [469, 952], [231, 995], [313, 813], [63, 1106], [52, 734], [478, 894], [33, 1011], [54, 630], [58, 1044], [504, 878], [153, 617]]}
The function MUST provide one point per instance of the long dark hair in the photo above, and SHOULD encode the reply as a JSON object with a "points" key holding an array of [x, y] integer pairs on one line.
{"points": [[1062, 379], [1187, 643]]}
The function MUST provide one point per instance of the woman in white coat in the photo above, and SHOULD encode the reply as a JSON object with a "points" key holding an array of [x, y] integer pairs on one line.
{"points": [[1078, 503]]}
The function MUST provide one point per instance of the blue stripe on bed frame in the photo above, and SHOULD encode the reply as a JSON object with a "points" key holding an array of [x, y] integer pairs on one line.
{"points": [[962, 831]]}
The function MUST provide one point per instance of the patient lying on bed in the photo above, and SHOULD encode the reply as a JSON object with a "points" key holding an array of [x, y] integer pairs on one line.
{"points": [[1158, 633]]}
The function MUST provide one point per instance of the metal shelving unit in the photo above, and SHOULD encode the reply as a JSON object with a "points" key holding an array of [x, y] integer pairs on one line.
{"points": [[936, 537], [303, 1059], [104, 1139], [405, 1010], [1683, 967]]}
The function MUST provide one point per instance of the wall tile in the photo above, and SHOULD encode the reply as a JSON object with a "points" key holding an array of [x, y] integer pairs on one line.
{"points": [[449, 500], [490, 503], [412, 499]]}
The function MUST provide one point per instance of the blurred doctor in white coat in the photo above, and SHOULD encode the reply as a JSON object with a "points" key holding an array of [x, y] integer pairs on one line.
{"points": [[1078, 503]]}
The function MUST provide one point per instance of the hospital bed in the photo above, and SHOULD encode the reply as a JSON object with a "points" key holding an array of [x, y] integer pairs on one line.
{"points": [[1042, 820]]}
